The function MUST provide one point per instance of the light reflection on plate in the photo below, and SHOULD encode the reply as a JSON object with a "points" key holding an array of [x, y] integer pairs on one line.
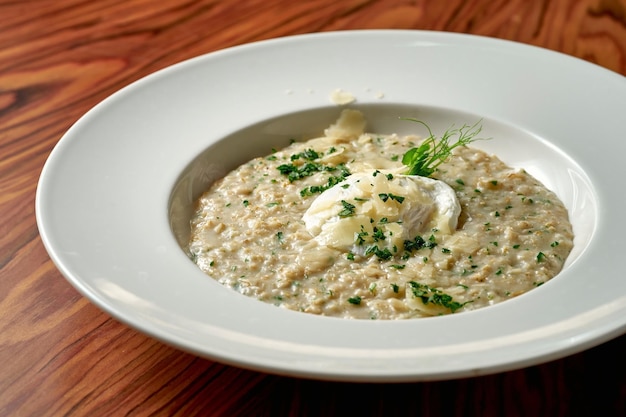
{"points": [[109, 188]]}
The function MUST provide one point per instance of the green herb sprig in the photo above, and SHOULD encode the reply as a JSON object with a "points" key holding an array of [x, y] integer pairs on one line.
{"points": [[424, 159]]}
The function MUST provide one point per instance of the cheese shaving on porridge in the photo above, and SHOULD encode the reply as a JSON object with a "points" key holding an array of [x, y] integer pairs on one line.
{"points": [[335, 226]]}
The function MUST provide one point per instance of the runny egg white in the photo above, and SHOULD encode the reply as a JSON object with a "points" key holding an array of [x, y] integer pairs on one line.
{"points": [[383, 209]]}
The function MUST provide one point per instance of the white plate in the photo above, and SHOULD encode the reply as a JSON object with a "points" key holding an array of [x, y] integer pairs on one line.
{"points": [[108, 190]]}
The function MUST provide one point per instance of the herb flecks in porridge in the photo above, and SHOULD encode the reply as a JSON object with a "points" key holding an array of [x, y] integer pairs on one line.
{"points": [[373, 226]]}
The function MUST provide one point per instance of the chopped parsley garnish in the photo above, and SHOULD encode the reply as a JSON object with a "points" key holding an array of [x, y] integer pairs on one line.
{"points": [[378, 234], [388, 196], [430, 295], [418, 243], [332, 181], [360, 237], [348, 209], [356, 300], [383, 254], [308, 154], [296, 172]]}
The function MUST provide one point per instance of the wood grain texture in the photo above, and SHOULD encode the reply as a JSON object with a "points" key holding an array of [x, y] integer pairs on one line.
{"points": [[61, 356]]}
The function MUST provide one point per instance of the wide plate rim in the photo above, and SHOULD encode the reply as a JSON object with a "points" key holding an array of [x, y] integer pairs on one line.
{"points": [[310, 367]]}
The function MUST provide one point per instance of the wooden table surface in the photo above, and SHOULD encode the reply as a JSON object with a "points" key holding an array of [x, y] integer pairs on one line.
{"points": [[60, 355]]}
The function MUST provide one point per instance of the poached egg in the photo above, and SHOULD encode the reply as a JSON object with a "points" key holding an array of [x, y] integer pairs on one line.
{"points": [[381, 208]]}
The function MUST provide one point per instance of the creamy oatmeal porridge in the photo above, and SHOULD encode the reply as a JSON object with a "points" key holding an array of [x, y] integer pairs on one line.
{"points": [[333, 226]]}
